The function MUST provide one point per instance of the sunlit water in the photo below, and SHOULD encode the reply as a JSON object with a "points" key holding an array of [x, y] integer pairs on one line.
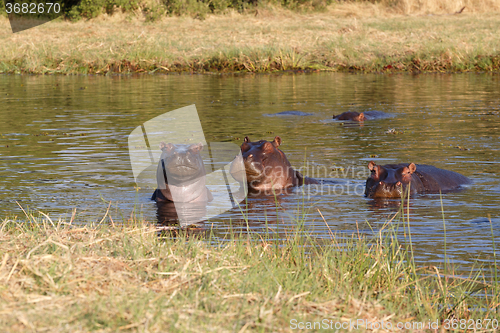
{"points": [[63, 145]]}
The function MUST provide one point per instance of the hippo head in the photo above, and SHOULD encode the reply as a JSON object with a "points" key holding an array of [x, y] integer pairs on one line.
{"points": [[181, 163], [265, 164], [351, 115], [360, 117], [389, 181]]}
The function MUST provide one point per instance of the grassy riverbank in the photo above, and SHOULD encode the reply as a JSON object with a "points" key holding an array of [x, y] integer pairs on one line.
{"points": [[360, 37], [65, 277]]}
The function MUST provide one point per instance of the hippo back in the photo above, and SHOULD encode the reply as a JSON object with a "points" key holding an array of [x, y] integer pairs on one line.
{"points": [[435, 179]]}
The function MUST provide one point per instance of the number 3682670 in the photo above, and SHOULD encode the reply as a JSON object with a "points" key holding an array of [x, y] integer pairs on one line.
{"points": [[470, 324], [32, 8]]}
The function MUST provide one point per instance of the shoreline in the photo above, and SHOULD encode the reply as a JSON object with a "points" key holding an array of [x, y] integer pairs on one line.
{"points": [[287, 72]]}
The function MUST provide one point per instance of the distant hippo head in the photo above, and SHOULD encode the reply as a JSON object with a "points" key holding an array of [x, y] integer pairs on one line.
{"points": [[390, 181], [266, 166], [351, 115], [181, 163], [360, 117]]}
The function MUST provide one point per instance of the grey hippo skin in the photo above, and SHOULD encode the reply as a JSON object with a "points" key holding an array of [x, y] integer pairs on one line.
{"points": [[391, 180], [267, 169], [181, 175]]}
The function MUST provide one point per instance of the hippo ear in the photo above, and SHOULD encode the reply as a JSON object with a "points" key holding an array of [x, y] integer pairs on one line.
{"points": [[166, 146], [361, 116], [277, 142], [412, 167], [246, 140], [374, 169], [196, 148]]}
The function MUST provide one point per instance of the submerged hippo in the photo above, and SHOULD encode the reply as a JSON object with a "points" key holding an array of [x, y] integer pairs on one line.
{"points": [[267, 168], [351, 115], [391, 180], [181, 175], [289, 113]]}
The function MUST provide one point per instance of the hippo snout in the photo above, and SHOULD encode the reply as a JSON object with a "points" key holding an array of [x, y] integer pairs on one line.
{"points": [[384, 189]]}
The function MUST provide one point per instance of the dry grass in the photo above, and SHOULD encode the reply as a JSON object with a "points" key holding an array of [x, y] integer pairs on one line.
{"points": [[394, 8], [408, 7], [66, 277], [104, 279], [352, 36]]}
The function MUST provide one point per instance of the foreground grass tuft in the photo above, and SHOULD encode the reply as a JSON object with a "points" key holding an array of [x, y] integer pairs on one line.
{"points": [[58, 276]]}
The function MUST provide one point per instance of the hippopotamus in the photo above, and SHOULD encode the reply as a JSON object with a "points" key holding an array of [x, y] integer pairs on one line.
{"points": [[267, 169], [181, 175], [181, 214], [351, 115], [392, 180]]}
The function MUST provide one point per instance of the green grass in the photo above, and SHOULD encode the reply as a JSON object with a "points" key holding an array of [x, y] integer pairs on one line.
{"points": [[72, 277]]}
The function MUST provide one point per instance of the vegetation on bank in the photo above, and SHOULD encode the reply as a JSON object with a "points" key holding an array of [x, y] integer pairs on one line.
{"points": [[271, 41], [362, 36], [156, 9], [68, 277]]}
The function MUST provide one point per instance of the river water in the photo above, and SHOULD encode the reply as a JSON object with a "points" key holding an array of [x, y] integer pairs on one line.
{"points": [[63, 145]]}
